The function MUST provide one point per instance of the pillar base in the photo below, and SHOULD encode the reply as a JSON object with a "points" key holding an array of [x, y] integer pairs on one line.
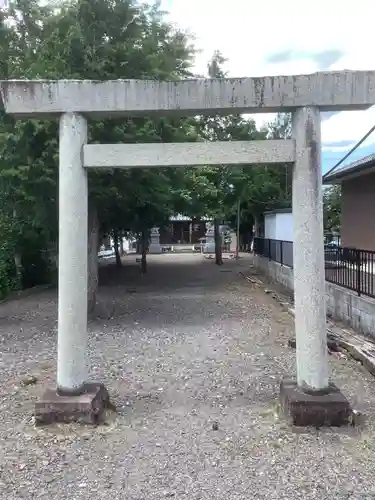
{"points": [[209, 247], [85, 408], [155, 248], [330, 408]]}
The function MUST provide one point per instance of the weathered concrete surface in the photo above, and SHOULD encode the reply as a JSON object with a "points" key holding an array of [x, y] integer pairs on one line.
{"points": [[86, 408], [314, 409], [73, 237], [181, 349], [342, 304], [188, 154], [308, 252], [336, 91]]}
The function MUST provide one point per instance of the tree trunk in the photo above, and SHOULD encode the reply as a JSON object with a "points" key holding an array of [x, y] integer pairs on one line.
{"points": [[256, 227], [92, 262], [144, 239], [139, 244], [117, 251], [251, 239], [238, 228], [218, 244], [18, 266], [121, 246]]}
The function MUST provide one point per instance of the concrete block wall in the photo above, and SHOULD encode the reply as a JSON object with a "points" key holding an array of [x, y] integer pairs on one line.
{"points": [[342, 304]]}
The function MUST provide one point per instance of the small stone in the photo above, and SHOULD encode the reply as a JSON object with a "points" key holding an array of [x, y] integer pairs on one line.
{"points": [[355, 418], [215, 426], [29, 380], [111, 406]]}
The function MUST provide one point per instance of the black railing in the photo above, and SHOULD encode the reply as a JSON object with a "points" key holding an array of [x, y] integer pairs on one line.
{"points": [[347, 267], [277, 250]]}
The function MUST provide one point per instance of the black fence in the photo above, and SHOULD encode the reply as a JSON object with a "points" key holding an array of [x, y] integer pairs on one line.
{"points": [[347, 267]]}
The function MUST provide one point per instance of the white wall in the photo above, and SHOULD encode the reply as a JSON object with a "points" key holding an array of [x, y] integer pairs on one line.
{"points": [[270, 226], [278, 226], [284, 227]]}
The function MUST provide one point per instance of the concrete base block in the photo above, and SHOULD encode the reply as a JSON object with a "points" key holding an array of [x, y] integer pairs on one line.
{"points": [[155, 248], [209, 247], [328, 408], [86, 408]]}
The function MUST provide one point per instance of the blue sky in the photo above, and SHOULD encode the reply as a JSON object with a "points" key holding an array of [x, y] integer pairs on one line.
{"points": [[289, 37]]}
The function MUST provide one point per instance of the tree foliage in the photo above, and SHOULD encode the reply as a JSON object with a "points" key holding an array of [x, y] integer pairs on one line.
{"points": [[332, 208], [111, 39], [85, 39]]}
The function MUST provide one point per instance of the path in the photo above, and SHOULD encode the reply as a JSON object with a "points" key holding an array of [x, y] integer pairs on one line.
{"points": [[186, 346]]}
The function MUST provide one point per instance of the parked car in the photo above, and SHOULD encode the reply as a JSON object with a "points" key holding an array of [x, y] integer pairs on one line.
{"points": [[331, 253]]}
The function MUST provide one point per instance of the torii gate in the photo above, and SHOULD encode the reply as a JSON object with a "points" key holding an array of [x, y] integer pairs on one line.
{"points": [[311, 399]]}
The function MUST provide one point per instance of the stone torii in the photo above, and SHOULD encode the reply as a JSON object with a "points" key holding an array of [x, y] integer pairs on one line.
{"points": [[311, 399]]}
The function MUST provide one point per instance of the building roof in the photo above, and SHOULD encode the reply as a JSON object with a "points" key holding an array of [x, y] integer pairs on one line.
{"points": [[363, 166], [180, 217], [279, 211]]}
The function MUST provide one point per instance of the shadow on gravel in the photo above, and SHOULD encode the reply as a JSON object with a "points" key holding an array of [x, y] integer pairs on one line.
{"points": [[173, 288]]}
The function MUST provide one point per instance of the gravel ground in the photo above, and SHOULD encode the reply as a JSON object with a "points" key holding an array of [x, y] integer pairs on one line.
{"points": [[192, 355]]}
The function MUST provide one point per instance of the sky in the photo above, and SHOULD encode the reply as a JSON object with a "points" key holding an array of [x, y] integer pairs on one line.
{"points": [[270, 37]]}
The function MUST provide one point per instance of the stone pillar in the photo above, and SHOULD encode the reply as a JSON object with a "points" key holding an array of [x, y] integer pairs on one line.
{"points": [[155, 241], [73, 219], [209, 246], [308, 256], [312, 400], [75, 399]]}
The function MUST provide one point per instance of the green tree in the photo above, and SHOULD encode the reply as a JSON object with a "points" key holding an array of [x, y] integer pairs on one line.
{"points": [[332, 208], [94, 39]]}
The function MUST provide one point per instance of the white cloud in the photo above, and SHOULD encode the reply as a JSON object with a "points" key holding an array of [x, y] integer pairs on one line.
{"points": [[247, 33], [338, 149], [349, 126]]}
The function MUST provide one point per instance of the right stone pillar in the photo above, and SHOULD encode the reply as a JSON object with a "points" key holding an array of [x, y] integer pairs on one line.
{"points": [[308, 253], [311, 400]]}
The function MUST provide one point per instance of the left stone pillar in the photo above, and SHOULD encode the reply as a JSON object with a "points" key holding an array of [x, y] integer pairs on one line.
{"points": [[73, 222], [74, 398]]}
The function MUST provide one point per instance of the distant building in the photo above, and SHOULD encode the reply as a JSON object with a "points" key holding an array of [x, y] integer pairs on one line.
{"points": [[183, 230], [357, 226]]}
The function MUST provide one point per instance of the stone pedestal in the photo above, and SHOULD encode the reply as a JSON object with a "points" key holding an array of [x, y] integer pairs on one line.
{"points": [[87, 407], [155, 241], [305, 408], [209, 246]]}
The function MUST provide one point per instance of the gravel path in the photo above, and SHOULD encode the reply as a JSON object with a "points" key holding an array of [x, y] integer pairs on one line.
{"points": [[192, 355]]}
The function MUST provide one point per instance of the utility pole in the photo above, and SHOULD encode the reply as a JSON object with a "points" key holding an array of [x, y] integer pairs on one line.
{"points": [[238, 227]]}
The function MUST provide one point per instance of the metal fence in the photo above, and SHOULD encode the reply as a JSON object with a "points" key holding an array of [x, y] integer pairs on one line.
{"points": [[277, 250], [350, 268]]}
